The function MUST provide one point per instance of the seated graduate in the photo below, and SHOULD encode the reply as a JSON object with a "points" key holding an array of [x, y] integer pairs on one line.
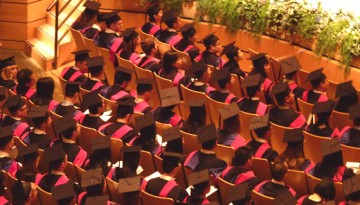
{"points": [[26, 81], [4, 197], [44, 93], [261, 66], [170, 35], [290, 66], [165, 185], [225, 82], [259, 144], [351, 190], [118, 90], [293, 154], [41, 121], [94, 183], [252, 103], [213, 47], [130, 188], [72, 90], [57, 160], [169, 100], [350, 135], [321, 127], [320, 84], [95, 104], [276, 186], [324, 192], [283, 114], [332, 164], [92, 31], [88, 16], [18, 112], [132, 40], [229, 130], [128, 167], [9, 72], [144, 90], [6, 146], [239, 195], [173, 139], [120, 129], [347, 95], [100, 156], [152, 27], [29, 158], [3, 93], [24, 193], [96, 70], [149, 61], [186, 44], [240, 170], [76, 73], [200, 182], [68, 131], [172, 64], [205, 158], [199, 74], [234, 54], [147, 138], [197, 117], [64, 194]]}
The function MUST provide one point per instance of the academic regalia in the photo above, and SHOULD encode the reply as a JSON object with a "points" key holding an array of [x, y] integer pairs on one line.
{"points": [[195, 201], [110, 40], [201, 87], [4, 201], [114, 92], [305, 200], [44, 102], [324, 131], [28, 93], [350, 136], [118, 130], [47, 181], [10, 84], [234, 68], [150, 63], [168, 118], [237, 175], [223, 96], [287, 117], [175, 76], [63, 110], [92, 84], [169, 36], [227, 138], [210, 59], [152, 29], [42, 139], [295, 88], [92, 121], [262, 150], [131, 56], [313, 96], [142, 107], [164, 188], [75, 153], [155, 149], [253, 105], [19, 128], [188, 47], [91, 32], [272, 189], [189, 127], [9, 165], [197, 161], [341, 174], [72, 74]]}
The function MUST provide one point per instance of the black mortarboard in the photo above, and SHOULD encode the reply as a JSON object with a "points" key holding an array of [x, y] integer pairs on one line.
{"points": [[112, 17], [127, 101], [228, 48], [344, 89], [251, 81], [90, 99], [145, 81], [187, 30], [229, 111], [129, 34], [153, 9], [259, 59], [132, 149], [209, 39], [237, 193], [100, 17], [206, 133], [21, 190], [130, 184], [197, 67], [97, 200], [5, 132], [95, 63], [7, 62], [351, 185], [54, 153], [123, 69], [198, 177], [91, 178], [354, 111], [169, 97], [220, 74], [171, 155], [72, 87], [14, 103], [259, 122], [99, 143], [28, 151], [195, 102], [63, 191], [143, 121], [293, 135], [285, 198], [279, 88], [170, 15], [330, 146], [81, 55], [92, 5], [37, 111], [171, 134], [3, 91], [314, 75], [323, 107], [64, 123], [290, 65]]}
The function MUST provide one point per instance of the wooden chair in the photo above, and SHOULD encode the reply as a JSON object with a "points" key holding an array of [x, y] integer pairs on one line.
{"points": [[340, 120], [109, 68], [19, 143], [162, 47], [301, 77], [6, 183], [79, 171], [147, 163], [89, 44], [297, 180], [261, 168], [214, 107], [330, 92], [77, 36], [116, 146], [180, 175], [110, 105], [339, 190], [82, 93], [312, 145], [129, 65], [305, 108], [160, 127], [113, 187], [43, 166], [244, 118], [236, 87], [162, 83], [186, 60], [225, 153], [190, 142], [54, 116], [276, 137], [62, 83], [224, 188], [271, 74], [85, 137], [70, 172], [275, 64], [350, 154], [45, 197], [144, 35], [260, 199], [149, 199]]}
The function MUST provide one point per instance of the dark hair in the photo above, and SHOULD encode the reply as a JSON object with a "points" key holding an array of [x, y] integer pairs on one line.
{"points": [[169, 164], [85, 19], [251, 91], [293, 155], [28, 166], [142, 88], [45, 88], [351, 99], [121, 77], [222, 83], [197, 117], [280, 98], [329, 165], [232, 124], [278, 170], [155, 10], [291, 75], [95, 190], [165, 113], [38, 121], [100, 158], [130, 164], [316, 82], [23, 77], [170, 22], [259, 68], [170, 57], [56, 164], [69, 132], [123, 110], [261, 132], [233, 53], [208, 145], [94, 108], [175, 146], [95, 71], [326, 189], [242, 155], [147, 138], [147, 45], [198, 190], [323, 118]]}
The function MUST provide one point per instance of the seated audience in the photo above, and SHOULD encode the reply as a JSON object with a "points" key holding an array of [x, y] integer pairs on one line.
{"points": [[96, 70], [350, 135], [41, 121], [9, 72], [200, 182], [322, 127], [352, 190], [320, 84], [144, 90], [76, 72], [225, 82], [64, 194], [26, 81], [197, 117], [129, 166], [24, 193], [88, 16], [324, 192], [186, 44], [94, 103], [155, 14], [213, 47], [44, 93], [290, 66], [92, 31], [29, 158], [234, 54], [173, 139], [347, 95], [6, 147], [169, 35], [132, 40], [94, 183], [149, 61], [199, 74], [100, 156], [171, 70]]}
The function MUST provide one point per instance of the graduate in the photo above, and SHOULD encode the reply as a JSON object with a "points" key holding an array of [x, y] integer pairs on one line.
{"points": [[96, 70], [152, 27], [239, 195], [173, 139], [199, 74], [197, 117], [225, 82], [23, 193], [91, 32], [94, 183], [234, 54], [41, 121], [347, 95], [29, 158], [4, 198], [351, 190], [88, 16], [76, 73], [171, 70], [100, 156], [130, 188], [205, 158], [94, 103], [9, 72], [172, 21], [149, 61], [6, 146], [252, 103], [132, 40], [64, 194], [320, 84], [200, 182], [213, 47], [3, 92], [44, 93], [144, 90], [186, 44], [290, 66], [169, 100], [26, 81], [350, 135], [129, 166], [324, 192]]}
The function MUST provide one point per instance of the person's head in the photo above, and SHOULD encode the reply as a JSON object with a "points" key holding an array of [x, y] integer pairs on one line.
{"points": [[253, 85], [131, 157], [323, 111], [223, 78], [144, 89], [25, 193], [347, 94], [201, 183], [16, 106], [114, 22], [72, 91], [171, 19], [261, 64], [45, 87], [207, 136], [6, 139], [325, 189], [125, 108], [232, 124], [189, 32], [149, 46], [131, 39], [199, 71], [243, 157], [232, 52], [81, 58], [64, 194], [318, 80], [155, 13], [56, 158], [101, 21], [279, 170], [282, 94], [29, 158], [88, 16], [172, 60], [72, 132], [197, 115], [41, 122], [261, 126], [93, 181], [332, 154], [122, 77], [170, 163], [97, 107], [9, 69], [212, 43], [26, 78], [96, 66]]}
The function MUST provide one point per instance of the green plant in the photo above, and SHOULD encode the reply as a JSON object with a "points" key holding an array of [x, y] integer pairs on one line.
{"points": [[258, 16], [230, 15], [349, 47]]}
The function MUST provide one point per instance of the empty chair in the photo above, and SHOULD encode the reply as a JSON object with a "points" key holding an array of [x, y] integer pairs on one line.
{"points": [[305, 108], [276, 137], [190, 142], [89, 44], [77, 36], [312, 146], [261, 168], [297, 180]]}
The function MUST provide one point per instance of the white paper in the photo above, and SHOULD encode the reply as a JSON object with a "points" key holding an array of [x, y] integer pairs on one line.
{"points": [[139, 169], [105, 116], [212, 190], [352, 164], [153, 176]]}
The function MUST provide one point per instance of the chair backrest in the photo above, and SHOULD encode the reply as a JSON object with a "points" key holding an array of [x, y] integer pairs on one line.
{"points": [[162, 83], [109, 68], [350, 154], [261, 168], [276, 137], [214, 107], [162, 47], [305, 108], [62, 84], [186, 60], [116, 146], [340, 120], [110, 105], [147, 163], [77, 36], [54, 116], [149, 199], [260, 199], [224, 187], [89, 44], [330, 92], [79, 171], [158, 163], [301, 77], [82, 93], [160, 127], [70, 172], [311, 146], [43, 166], [144, 35], [275, 64], [19, 143], [225, 153], [244, 118], [113, 187], [236, 87], [45, 197], [129, 65], [190, 142], [297, 180], [85, 137]]}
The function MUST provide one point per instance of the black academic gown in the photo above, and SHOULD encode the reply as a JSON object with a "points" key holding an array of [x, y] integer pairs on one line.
{"points": [[188, 47], [197, 161], [325, 131], [274, 190], [152, 29], [262, 150], [48, 181], [210, 59], [350, 137], [70, 73], [237, 175], [314, 97], [252, 106], [42, 139], [234, 68], [169, 37], [75, 153], [155, 186], [113, 92], [150, 63], [166, 116], [225, 97], [287, 117], [92, 121], [118, 130], [91, 84], [90, 32]]}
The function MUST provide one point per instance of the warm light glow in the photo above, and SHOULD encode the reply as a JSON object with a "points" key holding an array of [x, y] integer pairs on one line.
{"points": [[331, 5]]}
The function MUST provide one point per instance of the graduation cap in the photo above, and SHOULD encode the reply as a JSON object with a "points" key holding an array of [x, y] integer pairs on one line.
{"points": [[97, 200], [195, 102], [206, 133], [100, 17], [229, 48], [251, 81], [229, 111], [196, 67], [129, 34], [170, 15], [143, 121], [323, 107], [279, 88], [290, 65], [54, 153], [144, 81], [285, 198], [14, 103], [221, 74], [132, 149], [7, 62], [63, 191], [71, 87], [187, 30], [354, 111], [29, 151], [99, 143], [330, 146], [91, 99], [293, 135], [171, 155], [344, 89], [169, 97], [37, 111], [351, 185], [128, 101], [91, 178], [64, 123], [259, 60], [153, 9], [95, 63], [112, 17], [123, 70], [92, 5], [209, 39], [130, 184], [314, 75], [259, 122], [171, 134], [81, 55], [198, 177], [5, 132], [21, 190], [237, 193]]}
